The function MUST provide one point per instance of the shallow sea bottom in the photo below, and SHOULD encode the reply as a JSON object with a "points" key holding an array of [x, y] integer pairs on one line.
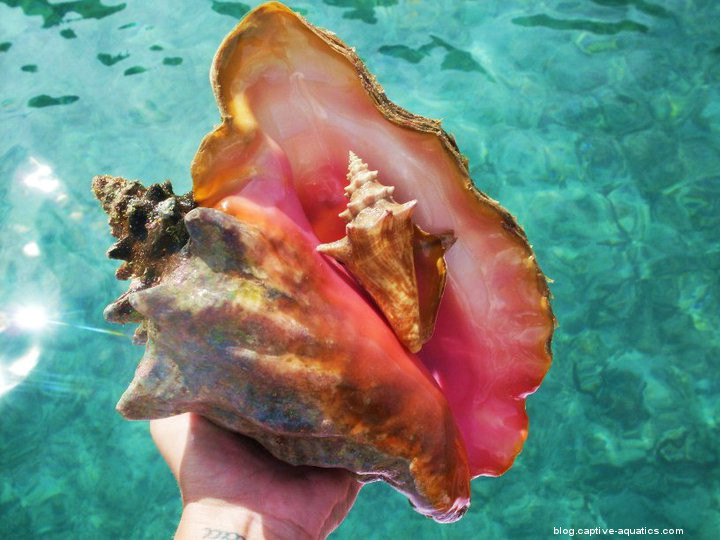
{"points": [[596, 123]]}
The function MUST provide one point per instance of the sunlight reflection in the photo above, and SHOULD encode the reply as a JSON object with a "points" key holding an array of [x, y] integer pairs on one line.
{"points": [[31, 249], [91, 329], [41, 177], [17, 326], [34, 318], [30, 318], [5, 385], [17, 369], [22, 366]]}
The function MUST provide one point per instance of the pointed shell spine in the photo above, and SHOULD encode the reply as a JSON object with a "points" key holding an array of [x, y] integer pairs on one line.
{"points": [[378, 250], [148, 223]]}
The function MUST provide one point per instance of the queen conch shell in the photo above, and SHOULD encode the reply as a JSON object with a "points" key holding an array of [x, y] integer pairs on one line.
{"points": [[379, 252], [248, 326], [246, 323]]}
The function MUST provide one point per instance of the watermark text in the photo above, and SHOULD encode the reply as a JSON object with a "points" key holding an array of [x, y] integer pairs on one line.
{"points": [[596, 531]]}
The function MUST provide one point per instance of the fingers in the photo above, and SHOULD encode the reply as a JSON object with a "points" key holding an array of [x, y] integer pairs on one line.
{"points": [[171, 438], [213, 464], [342, 506]]}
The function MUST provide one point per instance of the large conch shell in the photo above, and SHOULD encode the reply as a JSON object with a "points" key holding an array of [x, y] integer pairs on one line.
{"points": [[379, 250], [250, 326]]}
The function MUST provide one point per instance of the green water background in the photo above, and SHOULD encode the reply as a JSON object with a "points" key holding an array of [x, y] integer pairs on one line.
{"points": [[596, 122]]}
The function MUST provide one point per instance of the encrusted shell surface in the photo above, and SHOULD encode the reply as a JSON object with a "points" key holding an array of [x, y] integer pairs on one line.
{"points": [[148, 223], [248, 326], [379, 251]]}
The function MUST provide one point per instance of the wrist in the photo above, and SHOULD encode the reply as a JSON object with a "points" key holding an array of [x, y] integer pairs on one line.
{"points": [[211, 519]]}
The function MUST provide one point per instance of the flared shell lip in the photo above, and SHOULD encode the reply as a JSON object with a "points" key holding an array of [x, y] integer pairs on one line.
{"points": [[401, 117]]}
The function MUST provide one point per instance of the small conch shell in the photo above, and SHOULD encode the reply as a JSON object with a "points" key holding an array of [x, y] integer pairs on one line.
{"points": [[379, 250]]}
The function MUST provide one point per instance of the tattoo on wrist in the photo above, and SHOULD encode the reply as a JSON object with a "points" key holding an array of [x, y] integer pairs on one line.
{"points": [[216, 534]]}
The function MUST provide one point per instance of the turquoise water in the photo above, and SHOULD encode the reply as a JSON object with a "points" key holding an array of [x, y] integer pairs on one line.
{"points": [[596, 122]]}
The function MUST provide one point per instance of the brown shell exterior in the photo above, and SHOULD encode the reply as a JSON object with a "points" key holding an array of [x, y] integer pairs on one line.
{"points": [[148, 223], [245, 329]]}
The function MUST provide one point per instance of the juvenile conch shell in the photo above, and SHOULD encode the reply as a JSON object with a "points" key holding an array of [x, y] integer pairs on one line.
{"points": [[380, 250]]}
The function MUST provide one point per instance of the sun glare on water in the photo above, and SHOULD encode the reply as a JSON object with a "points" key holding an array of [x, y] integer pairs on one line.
{"points": [[41, 177], [33, 318], [30, 320]]}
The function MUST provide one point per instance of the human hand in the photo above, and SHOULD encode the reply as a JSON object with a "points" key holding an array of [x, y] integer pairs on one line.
{"points": [[232, 488]]}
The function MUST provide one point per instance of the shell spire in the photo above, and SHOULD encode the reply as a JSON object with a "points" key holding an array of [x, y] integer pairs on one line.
{"points": [[148, 223], [381, 249], [364, 190]]}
